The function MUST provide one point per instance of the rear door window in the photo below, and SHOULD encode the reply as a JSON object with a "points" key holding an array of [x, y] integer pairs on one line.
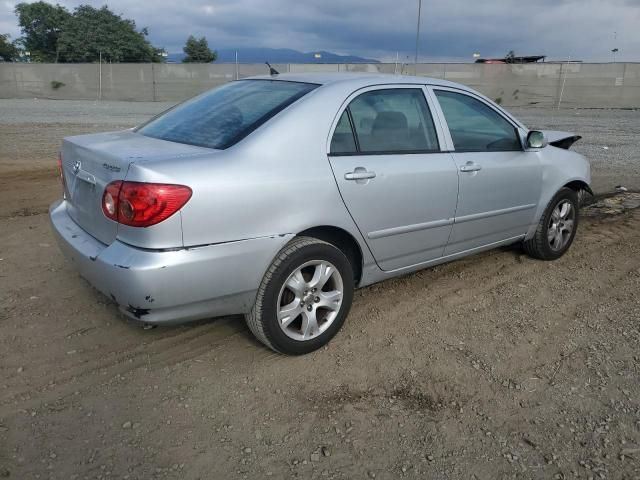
{"points": [[223, 116], [343, 141], [394, 120]]}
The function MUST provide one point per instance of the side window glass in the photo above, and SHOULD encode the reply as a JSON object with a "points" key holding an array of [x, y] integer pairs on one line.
{"points": [[474, 126], [393, 120], [343, 141]]}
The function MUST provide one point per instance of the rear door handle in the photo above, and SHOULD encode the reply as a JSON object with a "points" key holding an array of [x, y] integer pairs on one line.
{"points": [[470, 167], [359, 174]]}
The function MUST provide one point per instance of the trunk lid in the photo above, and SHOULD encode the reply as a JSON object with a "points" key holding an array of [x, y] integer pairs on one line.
{"points": [[91, 162]]}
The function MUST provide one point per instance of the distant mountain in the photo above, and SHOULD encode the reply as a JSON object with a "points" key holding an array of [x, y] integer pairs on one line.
{"points": [[277, 55]]}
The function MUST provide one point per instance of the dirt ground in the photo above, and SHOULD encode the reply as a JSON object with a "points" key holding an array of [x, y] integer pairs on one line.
{"points": [[496, 366]]}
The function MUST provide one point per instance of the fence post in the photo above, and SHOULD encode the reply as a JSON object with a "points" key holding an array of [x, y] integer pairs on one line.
{"points": [[100, 78], [15, 78], [153, 80]]}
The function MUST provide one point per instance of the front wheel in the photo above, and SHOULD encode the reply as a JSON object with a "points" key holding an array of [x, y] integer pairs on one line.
{"points": [[557, 227], [304, 297]]}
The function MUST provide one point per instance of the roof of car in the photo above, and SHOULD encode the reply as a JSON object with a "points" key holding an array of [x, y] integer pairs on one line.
{"points": [[358, 78]]}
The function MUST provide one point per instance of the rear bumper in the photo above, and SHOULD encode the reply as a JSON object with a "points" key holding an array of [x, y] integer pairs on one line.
{"points": [[169, 286]]}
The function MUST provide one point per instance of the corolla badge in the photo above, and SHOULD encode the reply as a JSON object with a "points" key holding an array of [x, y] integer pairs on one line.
{"points": [[76, 167], [111, 168]]}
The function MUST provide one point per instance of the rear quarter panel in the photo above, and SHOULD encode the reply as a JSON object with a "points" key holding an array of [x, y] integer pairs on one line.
{"points": [[276, 181]]}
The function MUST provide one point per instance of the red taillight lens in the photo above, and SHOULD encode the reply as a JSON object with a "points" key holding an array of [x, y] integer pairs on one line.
{"points": [[60, 172], [110, 200], [140, 204]]}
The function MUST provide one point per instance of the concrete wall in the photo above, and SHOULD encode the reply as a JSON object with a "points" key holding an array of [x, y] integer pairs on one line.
{"points": [[578, 85]]}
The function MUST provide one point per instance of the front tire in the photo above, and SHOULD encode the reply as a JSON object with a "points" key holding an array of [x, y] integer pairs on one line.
{"points": [[557, 227], [304, 297]]}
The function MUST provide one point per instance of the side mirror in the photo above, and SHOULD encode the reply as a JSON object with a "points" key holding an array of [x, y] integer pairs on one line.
{"points": [[536, 139]]}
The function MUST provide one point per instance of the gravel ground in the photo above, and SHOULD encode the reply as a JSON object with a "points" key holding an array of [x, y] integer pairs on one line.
{"points": [[78, 112], [493, 367]]}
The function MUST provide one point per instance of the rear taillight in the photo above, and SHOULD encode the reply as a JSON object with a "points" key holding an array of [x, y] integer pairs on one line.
{"points": [[140, 204], [60, 172], [110, 200]]}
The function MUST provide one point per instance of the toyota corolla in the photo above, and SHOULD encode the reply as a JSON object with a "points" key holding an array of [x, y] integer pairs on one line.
{"points": [[274, 197]]}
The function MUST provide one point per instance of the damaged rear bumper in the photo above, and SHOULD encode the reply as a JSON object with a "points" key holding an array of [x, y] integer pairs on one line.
{"points": [[168, 286]]}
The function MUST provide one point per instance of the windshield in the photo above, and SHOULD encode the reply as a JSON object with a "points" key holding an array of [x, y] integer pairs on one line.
{"points": [[223, 116]]}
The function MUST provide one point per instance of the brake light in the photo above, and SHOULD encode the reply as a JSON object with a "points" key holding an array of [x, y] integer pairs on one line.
{"points": [[60, 172], [139, 204]]}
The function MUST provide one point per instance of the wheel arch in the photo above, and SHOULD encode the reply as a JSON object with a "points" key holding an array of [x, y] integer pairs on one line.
{"points": [[579, 186], [341, 239]]}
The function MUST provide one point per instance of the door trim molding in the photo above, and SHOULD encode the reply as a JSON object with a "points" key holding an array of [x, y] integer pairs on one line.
{"points": [[388, 232], [493, 213], [372, 275]]}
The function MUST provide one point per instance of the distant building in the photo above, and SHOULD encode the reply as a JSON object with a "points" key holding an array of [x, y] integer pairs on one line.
{"points": [[513, 59]]}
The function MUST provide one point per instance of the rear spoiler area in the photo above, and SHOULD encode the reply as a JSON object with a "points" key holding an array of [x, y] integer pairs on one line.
{"points": [[561, 139]]}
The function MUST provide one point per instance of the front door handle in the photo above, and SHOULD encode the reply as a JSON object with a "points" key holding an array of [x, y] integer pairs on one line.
{"points": [[470, 167], [359, 173]]}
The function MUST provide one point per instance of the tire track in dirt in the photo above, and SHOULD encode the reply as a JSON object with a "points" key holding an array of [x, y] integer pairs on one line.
{"points": [[171, 348], [27, 191]]}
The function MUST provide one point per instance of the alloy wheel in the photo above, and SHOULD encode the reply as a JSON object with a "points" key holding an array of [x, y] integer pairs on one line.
{"points": [[561, 225], [310, 300]]}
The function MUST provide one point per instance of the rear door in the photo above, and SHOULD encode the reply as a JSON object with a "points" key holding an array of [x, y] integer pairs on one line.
{"points": [[397, 184], [499, 182]]}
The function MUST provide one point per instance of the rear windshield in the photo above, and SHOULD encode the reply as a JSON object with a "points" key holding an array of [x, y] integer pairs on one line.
{"points": [[223, 116]]}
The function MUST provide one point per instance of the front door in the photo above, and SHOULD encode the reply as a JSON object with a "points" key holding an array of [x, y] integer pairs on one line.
{"points": [[499, 182], [398, 186]]}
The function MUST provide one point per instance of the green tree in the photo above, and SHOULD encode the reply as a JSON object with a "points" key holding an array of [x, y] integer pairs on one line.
{"points": [[8, 50], [90, 31], [198, 51], [41, 24]]}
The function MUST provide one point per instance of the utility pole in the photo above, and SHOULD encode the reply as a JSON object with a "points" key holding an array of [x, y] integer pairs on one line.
{"points": [[564, 80], [417, 36]]}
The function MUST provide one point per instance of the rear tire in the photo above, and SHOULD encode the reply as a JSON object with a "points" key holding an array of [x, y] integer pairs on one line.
{"points": [[557, 227], [304, 297]]}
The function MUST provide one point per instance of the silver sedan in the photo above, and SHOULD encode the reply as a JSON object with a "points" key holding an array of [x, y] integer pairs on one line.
{"points": [[274, 197]]}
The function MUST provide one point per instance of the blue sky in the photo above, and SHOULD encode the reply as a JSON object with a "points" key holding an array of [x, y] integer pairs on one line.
{"points": [[451, 30]]}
